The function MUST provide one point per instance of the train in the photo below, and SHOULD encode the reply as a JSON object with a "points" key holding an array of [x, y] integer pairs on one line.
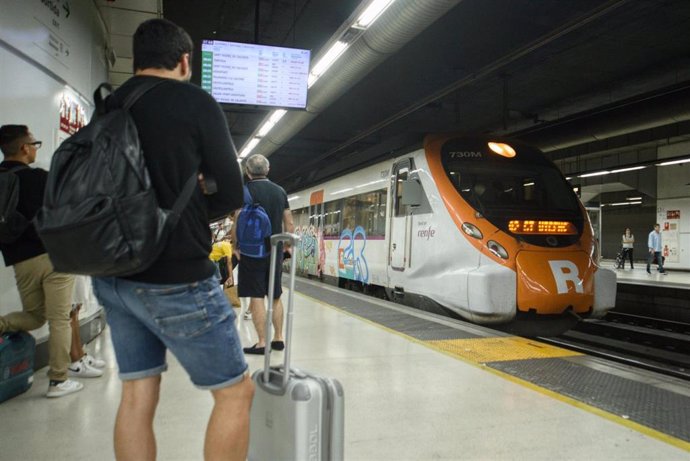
{"points": [[481, 229]]}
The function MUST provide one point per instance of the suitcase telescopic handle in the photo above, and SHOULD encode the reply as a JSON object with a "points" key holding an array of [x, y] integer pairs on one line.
{"points": [[291, 239]]}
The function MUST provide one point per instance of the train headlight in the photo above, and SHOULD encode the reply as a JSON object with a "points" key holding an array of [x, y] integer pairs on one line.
{"points": [[472, 230], [497, 249], [502, 149]]}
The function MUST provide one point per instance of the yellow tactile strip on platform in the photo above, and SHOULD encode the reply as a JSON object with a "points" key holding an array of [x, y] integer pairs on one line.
{"points": [[483, 350]]}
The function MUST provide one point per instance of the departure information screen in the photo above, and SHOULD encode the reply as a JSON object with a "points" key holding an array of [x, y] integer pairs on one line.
{"points": [[242, 73], [526, 226]]}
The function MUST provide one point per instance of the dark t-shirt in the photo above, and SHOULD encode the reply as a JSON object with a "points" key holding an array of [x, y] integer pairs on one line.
{"points": [[182, 130], [272, 198], [32, 184]]}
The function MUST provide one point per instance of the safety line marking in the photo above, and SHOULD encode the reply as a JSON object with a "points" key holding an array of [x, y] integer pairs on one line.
{"points": [[500, 349]]}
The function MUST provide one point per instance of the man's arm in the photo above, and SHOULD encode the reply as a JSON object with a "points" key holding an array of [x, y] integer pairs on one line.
{"points": [[288, 224], [218, 160]]}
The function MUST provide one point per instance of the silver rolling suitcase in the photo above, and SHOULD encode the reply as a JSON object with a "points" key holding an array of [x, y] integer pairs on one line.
{"points": [[295, 415]]}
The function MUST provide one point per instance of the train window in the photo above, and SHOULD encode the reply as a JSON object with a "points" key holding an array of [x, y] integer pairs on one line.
{"points": [[400, 209], [539, 188], [331, 219], [371, 213], [300, 218]]}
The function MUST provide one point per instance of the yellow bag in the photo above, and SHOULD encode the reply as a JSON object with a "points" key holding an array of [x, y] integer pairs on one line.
{"points": [[231, 293]]}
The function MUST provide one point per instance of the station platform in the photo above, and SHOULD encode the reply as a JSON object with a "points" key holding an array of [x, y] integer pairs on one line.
{"points": [[417, 387], [639, 276]]}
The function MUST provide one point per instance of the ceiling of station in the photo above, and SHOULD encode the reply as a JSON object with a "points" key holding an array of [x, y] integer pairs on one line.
{"points": [[574, 78]]}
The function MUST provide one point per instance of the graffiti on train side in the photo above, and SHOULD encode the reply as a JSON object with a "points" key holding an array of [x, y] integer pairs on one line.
{"points": [[308, 254], [352, 263]]}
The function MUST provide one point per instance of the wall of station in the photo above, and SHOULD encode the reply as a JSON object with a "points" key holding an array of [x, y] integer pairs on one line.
{"points": [[51, 60], [614, 220], [673, 206]]}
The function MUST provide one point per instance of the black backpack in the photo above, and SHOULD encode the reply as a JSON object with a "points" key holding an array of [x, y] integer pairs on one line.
{"points": [[100, 215], [12, 222]]}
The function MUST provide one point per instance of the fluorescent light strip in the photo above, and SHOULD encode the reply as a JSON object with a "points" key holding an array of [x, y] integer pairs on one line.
{"points": [[674, 162], [249, 147], [597, 173], [623, 203], [634, 198], [632, 168], [372, 13], [277, 115], [326, 61], [265, 128], [294, 197]]}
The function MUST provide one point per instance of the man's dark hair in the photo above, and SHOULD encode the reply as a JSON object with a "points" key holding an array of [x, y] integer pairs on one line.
{"points": [[11, 137], [160, 44]]}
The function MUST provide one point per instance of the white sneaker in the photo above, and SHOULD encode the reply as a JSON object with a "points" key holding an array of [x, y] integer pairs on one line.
{"points": [[93, 361], [247, 315], [82, 370], [66, 387]]}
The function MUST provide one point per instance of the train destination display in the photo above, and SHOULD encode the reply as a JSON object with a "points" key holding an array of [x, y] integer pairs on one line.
{"points": [[242, 73]]}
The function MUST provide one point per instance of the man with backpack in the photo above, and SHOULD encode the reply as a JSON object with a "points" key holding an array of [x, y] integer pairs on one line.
{"points": [[45, 294], [263, 199], [176, 303]]}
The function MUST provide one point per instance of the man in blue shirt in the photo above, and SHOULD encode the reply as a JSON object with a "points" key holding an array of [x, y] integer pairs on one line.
{"points": [[654, 244]]}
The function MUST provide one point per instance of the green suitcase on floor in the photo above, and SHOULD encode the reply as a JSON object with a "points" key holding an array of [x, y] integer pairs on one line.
{"points": [[16, 364]]}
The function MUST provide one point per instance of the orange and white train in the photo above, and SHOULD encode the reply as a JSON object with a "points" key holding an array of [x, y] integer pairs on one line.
{"points": [[484, 229]]}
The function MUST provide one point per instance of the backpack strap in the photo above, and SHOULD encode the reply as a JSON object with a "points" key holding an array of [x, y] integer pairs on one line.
{"points": [[248, 199], [182, 200], [14, 169], [100, 99]]}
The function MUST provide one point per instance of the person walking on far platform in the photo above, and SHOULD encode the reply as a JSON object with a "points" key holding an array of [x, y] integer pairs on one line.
{"points": [[654, 244]]}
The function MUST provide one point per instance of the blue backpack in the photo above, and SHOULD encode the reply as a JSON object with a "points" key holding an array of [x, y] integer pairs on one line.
{"points": [[253, 228]]}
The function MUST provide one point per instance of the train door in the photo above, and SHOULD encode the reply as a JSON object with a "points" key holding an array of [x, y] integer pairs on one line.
{"points": [[400, 219]]}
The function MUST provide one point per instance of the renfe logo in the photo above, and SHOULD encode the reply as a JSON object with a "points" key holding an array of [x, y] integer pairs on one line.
{"points": [[564, 272]]}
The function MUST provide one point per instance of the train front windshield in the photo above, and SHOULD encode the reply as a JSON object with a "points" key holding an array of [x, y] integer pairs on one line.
{"points": [[506, 190]]}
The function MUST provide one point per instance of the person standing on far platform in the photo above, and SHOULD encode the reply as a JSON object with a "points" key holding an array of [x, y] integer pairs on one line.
{"points": [[628, 241], [654, 244]]}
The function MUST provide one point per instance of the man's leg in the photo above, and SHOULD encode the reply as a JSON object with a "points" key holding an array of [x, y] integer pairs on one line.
{"points": [[277, 319], [134, 437], [76, 350], [650, 257], [258, 310], [660, 261], [29, 277], [58, 289], [227, 435]]}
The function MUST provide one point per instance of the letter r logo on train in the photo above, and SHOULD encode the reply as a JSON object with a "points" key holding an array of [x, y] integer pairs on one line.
{"points": [[563, 272]]}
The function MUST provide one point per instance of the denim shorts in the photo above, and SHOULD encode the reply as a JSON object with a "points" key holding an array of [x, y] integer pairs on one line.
{"points": [[195, 321]]}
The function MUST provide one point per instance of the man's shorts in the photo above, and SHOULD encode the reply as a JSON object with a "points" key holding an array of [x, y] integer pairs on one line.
{"points": [[252, 277], [195, 321]]}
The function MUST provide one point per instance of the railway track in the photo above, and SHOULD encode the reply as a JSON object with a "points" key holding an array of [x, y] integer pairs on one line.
{"points": [[659, 345]]}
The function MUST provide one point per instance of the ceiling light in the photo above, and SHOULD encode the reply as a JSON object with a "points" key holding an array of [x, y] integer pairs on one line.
{"points": [[249, 147], [623, 203], [277, 115], [633, 198], [265, 128], [632, 168], [326, 61], [294, 197], [674, 162], [596, 173], [371, 14]]}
